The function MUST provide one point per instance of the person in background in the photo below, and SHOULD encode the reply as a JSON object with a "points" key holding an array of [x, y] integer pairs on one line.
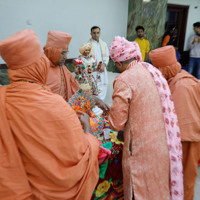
{"points": [[142, 105], [143, 42], [45, 153], [171, 38], [100, 52], [185, 90], [194, 46]]}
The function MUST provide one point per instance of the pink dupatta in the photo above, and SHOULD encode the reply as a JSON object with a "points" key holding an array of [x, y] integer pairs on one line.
{"points": [[172, 133]]}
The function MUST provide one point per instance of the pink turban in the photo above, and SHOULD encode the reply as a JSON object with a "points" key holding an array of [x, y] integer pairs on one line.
{"points": [[84, 47], [122, 50]]}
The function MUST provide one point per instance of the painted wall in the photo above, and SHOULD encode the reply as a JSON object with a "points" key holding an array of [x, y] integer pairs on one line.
{"points": [[193, 16], [75, 17]]}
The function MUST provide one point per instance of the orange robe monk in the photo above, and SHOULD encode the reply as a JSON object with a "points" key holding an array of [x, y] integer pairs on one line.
{"points": [[45, 154], [60, 80], [185, 90]]}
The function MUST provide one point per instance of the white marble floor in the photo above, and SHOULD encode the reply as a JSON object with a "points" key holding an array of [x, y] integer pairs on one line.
{"points": [[108, 100]]}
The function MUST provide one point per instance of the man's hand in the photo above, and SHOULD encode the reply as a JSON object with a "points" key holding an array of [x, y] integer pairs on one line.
{"points": [[102, 67], [85, 121], [102, 105]]}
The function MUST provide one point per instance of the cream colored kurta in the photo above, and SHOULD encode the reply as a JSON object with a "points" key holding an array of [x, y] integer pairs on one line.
{"points": [[137, 108]]}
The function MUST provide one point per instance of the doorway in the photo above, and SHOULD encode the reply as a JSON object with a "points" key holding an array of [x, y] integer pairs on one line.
{"points": [[177, 15]]}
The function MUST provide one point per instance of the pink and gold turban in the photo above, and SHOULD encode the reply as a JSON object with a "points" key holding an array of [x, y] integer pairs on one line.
{"points": [[84, 47], [122, 50]]}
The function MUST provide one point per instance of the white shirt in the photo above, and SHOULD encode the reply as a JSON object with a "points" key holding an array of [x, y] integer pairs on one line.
{"points": [[98, 55], [194, 48]]}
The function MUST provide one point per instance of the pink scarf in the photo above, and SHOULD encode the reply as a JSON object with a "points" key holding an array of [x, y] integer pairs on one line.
{"points": [[172, 133]]}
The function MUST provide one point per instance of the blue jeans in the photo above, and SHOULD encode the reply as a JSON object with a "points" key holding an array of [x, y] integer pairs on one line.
{"points": [[194, 62]]}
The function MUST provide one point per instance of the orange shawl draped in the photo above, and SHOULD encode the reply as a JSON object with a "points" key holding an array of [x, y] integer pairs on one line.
{"points": [[60, 80], [185, 90], [44, 152]]}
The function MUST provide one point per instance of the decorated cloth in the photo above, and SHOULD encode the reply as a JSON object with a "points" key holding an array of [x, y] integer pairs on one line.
{"points": [[85, 67], [122, 50], [144, 46], [60, 80], [84, 47], [110, 184], [38, 131], [100, 53], [141, 104], [82, 101]]}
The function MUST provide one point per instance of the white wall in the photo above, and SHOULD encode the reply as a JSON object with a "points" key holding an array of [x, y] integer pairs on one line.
{"points": [[72, 16], [193, 16], [111, 78]]}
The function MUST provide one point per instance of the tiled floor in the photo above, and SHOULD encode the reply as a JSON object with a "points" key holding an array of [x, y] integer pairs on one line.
{"points": [[108, 100]]}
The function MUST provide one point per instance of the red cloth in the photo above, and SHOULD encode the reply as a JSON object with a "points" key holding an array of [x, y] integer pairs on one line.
{"points": [[104, 155]]}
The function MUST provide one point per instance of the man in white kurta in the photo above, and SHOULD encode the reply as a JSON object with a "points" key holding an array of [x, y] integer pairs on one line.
{"points": [[100, 52]]}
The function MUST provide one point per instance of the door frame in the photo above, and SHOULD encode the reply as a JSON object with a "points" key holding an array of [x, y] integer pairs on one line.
{"points": [[181, 29]]}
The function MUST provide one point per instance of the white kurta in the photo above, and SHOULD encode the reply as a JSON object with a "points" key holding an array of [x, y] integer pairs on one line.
{"points": [[104, 76]]}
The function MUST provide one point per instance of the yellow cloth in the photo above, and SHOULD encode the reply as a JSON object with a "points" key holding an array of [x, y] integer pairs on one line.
{"points": [[144, 46]]}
